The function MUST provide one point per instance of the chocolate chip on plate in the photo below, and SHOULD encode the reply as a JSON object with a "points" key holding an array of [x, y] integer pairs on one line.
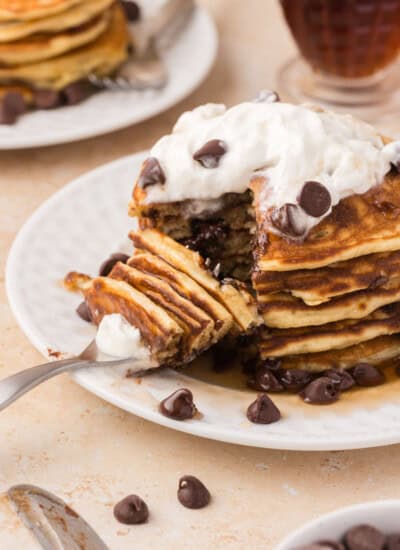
{"points": [[321, 391], [364, 537], [294, 379], [314, 199], [84, 312], [179, 405], [263, 411], [131, 510], [287, 219], [76, 92], [11, 106], [151, 174], [342, 378], [132, 10], [267, 96], [108, 264], [367, 375], [47, 99], [210, 154], [192, 493], [393, 541], [265, 380]]}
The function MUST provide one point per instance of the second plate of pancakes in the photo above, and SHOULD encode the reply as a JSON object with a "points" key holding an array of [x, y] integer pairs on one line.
{"points": [[71, 225], [69, 40]]}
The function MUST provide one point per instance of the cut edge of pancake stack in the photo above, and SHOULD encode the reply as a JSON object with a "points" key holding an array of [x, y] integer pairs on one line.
{"points": [[47, 49]]}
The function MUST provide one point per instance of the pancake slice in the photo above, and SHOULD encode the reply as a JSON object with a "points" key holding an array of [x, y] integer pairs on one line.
{"points": [[316, 286], [375, 352], [358, 225], [238, 302], [27, 10], [342, 334]]}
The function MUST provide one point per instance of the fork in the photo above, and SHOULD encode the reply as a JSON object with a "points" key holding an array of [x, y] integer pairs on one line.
{"points": [[16, 385], [145, 69]]}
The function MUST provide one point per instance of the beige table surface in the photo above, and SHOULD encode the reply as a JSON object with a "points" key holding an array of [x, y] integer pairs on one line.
{"points": [[92, 454]]}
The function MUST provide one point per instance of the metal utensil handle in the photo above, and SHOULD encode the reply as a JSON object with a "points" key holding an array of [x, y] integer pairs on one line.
{"points": [[18, 384]]}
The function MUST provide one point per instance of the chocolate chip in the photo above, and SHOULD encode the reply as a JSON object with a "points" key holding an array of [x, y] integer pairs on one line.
{"points": [[131, 510], [287, 219], [47, 99], [84, 312], [367, 375], [321, 391], [294, 379], [342, 378], [151, 174], [131, 9], [210, 154], [192, 493], [265, 380], [77, 91], [364, 537], [263, 411], [393, 542], [272, 363], [179, 405], [315, 199], [107, 266], [267, 96], [11, 106], [379, 281]]}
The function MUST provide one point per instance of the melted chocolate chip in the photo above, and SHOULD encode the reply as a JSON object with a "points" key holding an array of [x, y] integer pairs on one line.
{"points": [[192, 493], [107, 266], [321, 391], [393, 542], [364, 537], [367, 375], [342, 378], [179, 405], [12, 106], [263, 411], [272, 363], [265, 380], [210, 154], [286, 220], [84, 312], [76, 92], [267, 96], [151, 174], [315, 199], [47, 99], [294, 379], [131, 9], [379, 281], [131, 510]]}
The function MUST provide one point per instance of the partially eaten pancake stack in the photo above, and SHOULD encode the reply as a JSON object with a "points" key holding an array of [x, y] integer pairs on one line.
{"points": [[167, 293], [49, 45]]}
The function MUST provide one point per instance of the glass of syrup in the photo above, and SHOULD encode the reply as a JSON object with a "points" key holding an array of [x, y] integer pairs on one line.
{"points": [[349, 55]]}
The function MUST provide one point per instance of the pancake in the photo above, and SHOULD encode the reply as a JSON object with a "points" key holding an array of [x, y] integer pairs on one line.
{"points": [[339, 335], [316, 286], [45, 46], [75, 16], [358, 225], [284, 311], [25, 10], [101, 57], [375, 352], [239, 303]]}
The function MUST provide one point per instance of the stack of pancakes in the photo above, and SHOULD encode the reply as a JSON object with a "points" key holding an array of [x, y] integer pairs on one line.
{"points": [[50, 44], [166, 292], [333, 300]]}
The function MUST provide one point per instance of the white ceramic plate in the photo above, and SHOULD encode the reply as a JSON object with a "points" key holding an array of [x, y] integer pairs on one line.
{"points": [[188, 61], [75, 230], [383, 515]]}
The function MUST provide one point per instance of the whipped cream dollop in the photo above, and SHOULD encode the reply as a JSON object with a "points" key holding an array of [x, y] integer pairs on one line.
{"points": [[118, 338], [286, 144]]}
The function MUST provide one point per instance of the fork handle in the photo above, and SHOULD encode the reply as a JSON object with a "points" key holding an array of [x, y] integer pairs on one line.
{"points": [[13, 387]]}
